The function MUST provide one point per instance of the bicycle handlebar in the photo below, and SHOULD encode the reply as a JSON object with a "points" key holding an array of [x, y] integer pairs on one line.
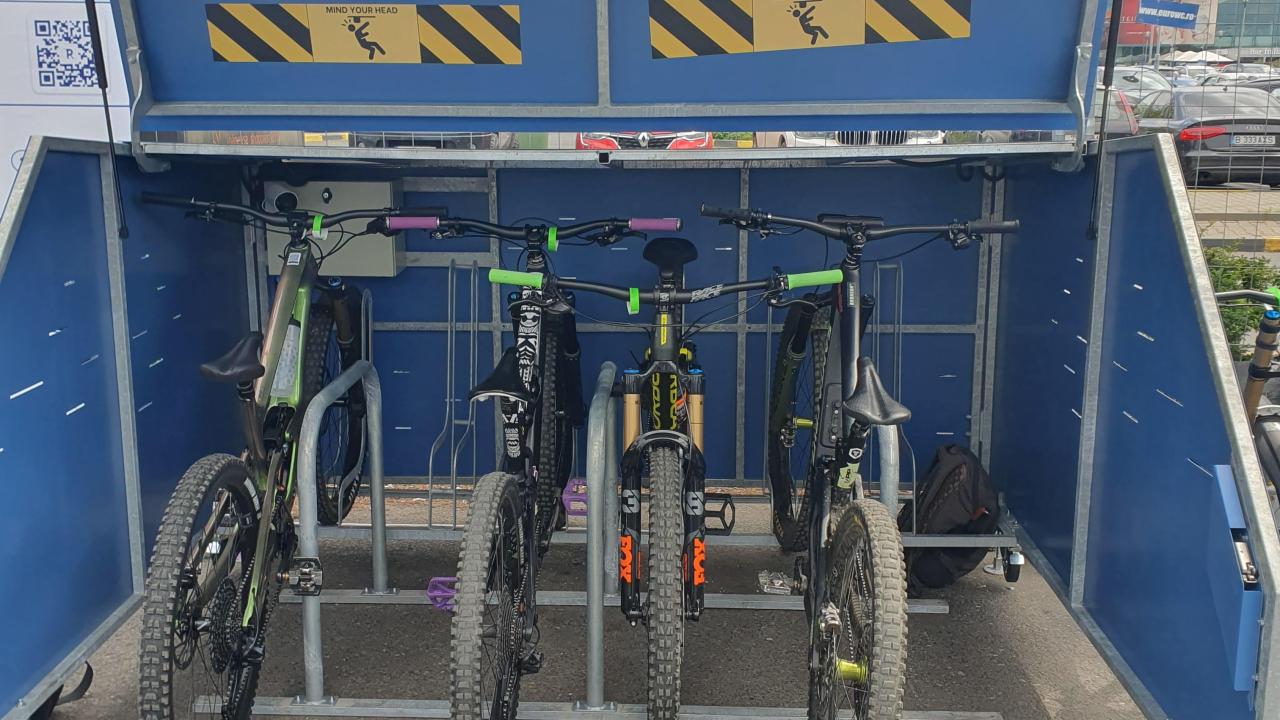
{"points": [[635, 296], [554, 233], [288, 220], [1258, 296], [761, 219]]}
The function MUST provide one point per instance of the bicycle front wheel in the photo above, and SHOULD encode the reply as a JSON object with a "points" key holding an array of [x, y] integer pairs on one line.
{"points": [[664, 616], [861, 628], [489, 612], [795, 402], [195, 650], [342, 429]]}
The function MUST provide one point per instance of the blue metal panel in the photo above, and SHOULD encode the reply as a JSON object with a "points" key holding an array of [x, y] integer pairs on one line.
{"points": [[1239, 606], [556, 84], [940, 284], [558, 66], [1042, 36], [1153, 555], [1046, 285], [60, 443], [187, 305]]}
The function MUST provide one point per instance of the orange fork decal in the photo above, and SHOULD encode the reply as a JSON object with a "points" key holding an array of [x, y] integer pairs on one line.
{"points": [[624, 559], [699, 562]]}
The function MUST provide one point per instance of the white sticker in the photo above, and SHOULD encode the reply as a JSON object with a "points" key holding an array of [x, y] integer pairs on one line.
{"points": [[295, 258], [286, 368]]}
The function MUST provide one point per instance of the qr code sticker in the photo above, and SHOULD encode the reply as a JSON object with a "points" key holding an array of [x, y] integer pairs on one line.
{"points": [[63, 55]]}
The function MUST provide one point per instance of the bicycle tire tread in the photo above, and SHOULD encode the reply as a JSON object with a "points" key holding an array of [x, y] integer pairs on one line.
{"points": [[664, 618]]}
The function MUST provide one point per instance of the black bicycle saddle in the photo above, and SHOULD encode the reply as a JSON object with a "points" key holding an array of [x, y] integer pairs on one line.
{"points": [[240, 364], [504, 381], [670, 254], [871, 404]]}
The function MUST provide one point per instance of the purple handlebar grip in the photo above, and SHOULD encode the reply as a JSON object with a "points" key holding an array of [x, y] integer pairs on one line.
{"points": [[412, 223], [654, 224]]}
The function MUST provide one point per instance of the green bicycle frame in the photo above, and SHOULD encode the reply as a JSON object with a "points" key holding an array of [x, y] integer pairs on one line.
{"points": [[280, 386]]}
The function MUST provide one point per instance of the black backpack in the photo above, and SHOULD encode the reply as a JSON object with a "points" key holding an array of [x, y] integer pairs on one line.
{"points": [[956, 497]]}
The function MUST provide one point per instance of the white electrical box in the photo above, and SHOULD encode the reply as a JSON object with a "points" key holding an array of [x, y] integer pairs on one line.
{"points": [[373, 255]]}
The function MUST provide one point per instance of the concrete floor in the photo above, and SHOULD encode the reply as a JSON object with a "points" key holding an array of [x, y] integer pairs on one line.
{"points": [[1005, 648]]}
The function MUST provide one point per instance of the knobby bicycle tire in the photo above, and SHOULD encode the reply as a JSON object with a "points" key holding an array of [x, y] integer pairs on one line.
{"points": [[867, 550], [346, 437], [664, 616], [551, 436], [791, 509], [495, 513], [168, 586]]}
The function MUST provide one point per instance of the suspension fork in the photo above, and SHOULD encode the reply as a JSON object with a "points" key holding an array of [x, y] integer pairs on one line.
{"points": [[695, 495], [629, 506]]}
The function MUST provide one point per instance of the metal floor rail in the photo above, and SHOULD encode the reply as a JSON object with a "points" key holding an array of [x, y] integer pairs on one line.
{"points": [[600, 538]]}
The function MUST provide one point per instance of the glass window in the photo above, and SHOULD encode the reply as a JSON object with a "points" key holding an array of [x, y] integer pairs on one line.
{"points": [[1157, 105]]}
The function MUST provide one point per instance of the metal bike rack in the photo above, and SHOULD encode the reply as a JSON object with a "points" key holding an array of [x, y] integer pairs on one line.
{"points": [[308, 545]]}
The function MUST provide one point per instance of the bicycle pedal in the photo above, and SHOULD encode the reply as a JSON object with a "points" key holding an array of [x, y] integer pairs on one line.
{"points": [[573, 503], [531, 663], [724, 515], [441, 591]]}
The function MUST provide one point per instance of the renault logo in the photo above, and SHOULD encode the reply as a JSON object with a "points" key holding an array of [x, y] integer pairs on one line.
{"points": [[643, 139]]}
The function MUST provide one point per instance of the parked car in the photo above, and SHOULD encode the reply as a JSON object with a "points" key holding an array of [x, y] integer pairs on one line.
{"points": [[644, 139], [1243, 72], [1121, 122], [804, 138], [1137, 82], [1223, 134]]}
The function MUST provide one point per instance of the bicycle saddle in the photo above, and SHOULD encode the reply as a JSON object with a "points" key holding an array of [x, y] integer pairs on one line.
{"points": [[871, 404], [504, 381], [670, 254], [240, 364]]}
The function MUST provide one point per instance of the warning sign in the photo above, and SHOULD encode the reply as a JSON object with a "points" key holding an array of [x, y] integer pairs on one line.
{"points": [[799, 24], [364, 33], [692, 28], [448, 34]]}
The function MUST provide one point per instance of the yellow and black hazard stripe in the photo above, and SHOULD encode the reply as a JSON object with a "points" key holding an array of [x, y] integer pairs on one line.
{"points": [[689, 28], [244, 32], [909, 20], [470, 34]]}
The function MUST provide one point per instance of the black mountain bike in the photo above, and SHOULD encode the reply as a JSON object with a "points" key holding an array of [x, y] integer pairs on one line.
{"points": [[669, 453], [824, 402], [514, 511], [226, 543]]}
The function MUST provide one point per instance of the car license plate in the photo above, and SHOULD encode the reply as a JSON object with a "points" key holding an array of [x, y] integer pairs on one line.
{"points": [[1253, 139]]}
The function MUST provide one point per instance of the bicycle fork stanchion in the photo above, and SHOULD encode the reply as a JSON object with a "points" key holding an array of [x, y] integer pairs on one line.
{"points": [[887, 443], [599, 440], [308, 441]]}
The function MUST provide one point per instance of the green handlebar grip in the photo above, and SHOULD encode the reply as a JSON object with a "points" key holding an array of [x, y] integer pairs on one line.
{"points": [[1276, 292], [633, 301], [815, 279], [553, 242], [511, 277]]}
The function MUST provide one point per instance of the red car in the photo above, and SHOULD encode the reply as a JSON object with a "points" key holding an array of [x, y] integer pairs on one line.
{"points": [[644, 140]]}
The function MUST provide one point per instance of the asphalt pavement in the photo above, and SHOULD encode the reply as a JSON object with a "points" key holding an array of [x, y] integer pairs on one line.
{"points": [[1003, 648]]}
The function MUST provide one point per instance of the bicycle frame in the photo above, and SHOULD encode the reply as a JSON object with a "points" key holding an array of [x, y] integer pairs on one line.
{"points": [[848, 324]]}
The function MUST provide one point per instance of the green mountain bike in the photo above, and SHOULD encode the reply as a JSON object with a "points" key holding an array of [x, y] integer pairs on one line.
{"points": [[226, 544]]}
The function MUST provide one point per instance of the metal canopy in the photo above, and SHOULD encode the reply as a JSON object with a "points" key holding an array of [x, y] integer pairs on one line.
{"points": [[609, 64]]}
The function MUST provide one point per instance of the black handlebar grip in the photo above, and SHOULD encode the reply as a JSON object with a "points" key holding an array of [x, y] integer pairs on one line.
{"points": [[736, 214], [994, 226], [162, 199]]}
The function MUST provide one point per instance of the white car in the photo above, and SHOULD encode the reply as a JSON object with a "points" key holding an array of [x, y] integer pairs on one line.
{"points": [[805, 138], [1236, 73]]}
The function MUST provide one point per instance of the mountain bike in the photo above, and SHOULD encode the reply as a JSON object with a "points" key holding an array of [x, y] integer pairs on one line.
{"points": [[514, 511], [669, 384], [824, 402], [226, 543]]}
